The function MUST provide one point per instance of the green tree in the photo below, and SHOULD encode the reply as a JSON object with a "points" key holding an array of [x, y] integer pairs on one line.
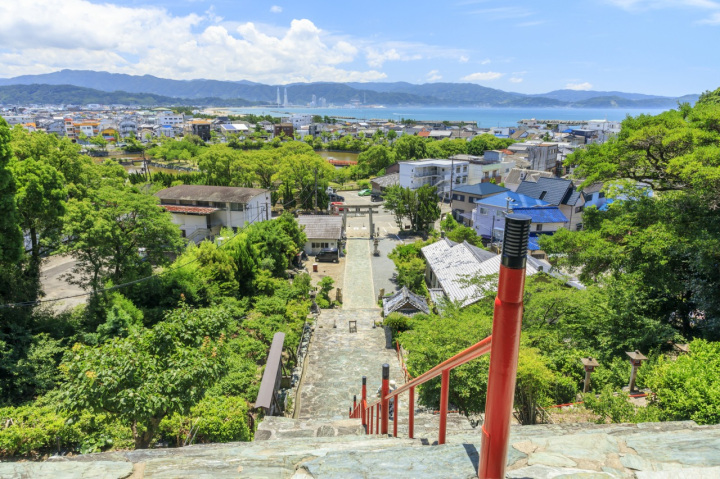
{"points": [[481, 143], [410, 147], [40, 199], [688, 388], [420, 207], [11, 240], [377, 157], [151, 374], [117, 234]]}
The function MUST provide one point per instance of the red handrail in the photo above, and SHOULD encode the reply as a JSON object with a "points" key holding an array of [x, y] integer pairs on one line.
{"points": [[465, 356], [504, 350]]}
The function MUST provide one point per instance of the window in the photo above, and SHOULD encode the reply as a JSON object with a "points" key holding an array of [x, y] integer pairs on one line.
{"points": [[578, 227], [601, 195], [320, 245], [483, 211], [538, 227], [237, 207], [578, 209]]}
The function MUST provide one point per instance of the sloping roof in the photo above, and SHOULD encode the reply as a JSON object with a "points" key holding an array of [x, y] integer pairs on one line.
{"points": [[321, 226], [402, 297], [593, 188], [220, 194], [454, 264], [480, 189], [543, 214], [517, 175], [193, 210], [517, 200], [387, 180], [553, 190]]}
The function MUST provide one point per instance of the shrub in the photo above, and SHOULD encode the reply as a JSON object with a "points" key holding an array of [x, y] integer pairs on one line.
{"points": [[214, 419], [397, 323]]}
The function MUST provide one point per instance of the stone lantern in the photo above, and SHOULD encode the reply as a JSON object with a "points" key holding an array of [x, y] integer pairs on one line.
{"points": [[590, 364], [636, 359]]}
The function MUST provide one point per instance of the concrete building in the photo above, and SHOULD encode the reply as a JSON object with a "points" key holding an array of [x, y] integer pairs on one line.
{"points": [[465, 196], [201, 211], [438, 173]]}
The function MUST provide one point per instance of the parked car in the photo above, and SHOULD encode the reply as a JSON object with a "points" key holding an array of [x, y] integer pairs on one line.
{"points": [[328, 254], [336, 205], [333, 197], [365, 192]]}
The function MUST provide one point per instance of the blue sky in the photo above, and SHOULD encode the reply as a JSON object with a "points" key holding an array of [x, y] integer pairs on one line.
{"points": [[664, 47]]}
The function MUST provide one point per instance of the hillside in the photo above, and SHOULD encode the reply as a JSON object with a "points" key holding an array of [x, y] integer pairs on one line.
{"points": [[74, 95], [148, 89]]}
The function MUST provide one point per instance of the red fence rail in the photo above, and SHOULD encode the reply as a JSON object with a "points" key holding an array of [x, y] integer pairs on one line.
{"points": [[503, 346]]}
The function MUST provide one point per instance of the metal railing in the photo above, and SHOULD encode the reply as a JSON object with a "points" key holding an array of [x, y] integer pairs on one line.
{"points": [[503, 344]]}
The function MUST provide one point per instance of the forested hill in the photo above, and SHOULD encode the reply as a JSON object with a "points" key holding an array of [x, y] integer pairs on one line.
{"points": [[240, 93], [74, 95]]}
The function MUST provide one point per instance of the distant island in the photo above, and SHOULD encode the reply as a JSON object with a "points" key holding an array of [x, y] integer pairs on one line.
{"points": [[85, 86]]}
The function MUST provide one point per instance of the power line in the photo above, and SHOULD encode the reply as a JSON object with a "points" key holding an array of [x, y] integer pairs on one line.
{"points": [[118, 286]]}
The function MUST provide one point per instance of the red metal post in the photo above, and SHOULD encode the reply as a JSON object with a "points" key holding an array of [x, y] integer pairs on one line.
{"points": [[396, 407], [363, 401], [377, 418], [411, 413], [444, 393], [372, 410], [507, 321], [384, 401]]}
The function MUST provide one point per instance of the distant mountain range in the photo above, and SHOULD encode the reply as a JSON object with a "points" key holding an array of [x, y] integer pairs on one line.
{"points": [[85, 86]]}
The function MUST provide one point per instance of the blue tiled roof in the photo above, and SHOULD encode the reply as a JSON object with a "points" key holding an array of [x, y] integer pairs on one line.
{"points": [[480, 189], [543, 214], [517, 200]]}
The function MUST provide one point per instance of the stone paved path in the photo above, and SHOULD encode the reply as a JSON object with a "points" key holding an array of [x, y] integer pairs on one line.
{"points": [[358, 290], [337, 360]]}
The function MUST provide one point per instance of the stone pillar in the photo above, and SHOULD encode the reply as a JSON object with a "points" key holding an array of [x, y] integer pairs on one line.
{"points": [[338, 295], [372, 227]]}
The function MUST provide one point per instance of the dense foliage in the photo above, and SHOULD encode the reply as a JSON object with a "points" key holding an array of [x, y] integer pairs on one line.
{"points": [[163, 350]]}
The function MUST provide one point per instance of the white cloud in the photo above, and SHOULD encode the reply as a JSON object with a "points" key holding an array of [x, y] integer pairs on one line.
{"points": [[485, 62], [434, 75], [713, 20], [656, 4], [376, 58], [482, 76], [463, 59], [579, 86], [515, 79], [39, 36], [276, 9], [642, 5]]}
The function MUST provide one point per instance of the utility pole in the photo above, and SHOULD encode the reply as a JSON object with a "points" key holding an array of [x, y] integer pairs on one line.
{"points": [[315, 188], [452, 171]]}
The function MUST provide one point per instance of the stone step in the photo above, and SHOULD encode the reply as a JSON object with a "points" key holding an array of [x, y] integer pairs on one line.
{"points": [[273, 428], [644, 451]]}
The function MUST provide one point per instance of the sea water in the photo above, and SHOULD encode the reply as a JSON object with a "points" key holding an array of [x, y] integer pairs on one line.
{"points": [[483, 117]]}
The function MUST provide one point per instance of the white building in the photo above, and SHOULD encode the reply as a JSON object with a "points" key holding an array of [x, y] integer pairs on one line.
{"points": [[201, 211], [438, 173], [169, 118], [298, 120]]}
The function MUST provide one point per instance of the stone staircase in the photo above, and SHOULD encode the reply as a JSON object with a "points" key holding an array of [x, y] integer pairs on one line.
{"points": [[643, 451]]}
